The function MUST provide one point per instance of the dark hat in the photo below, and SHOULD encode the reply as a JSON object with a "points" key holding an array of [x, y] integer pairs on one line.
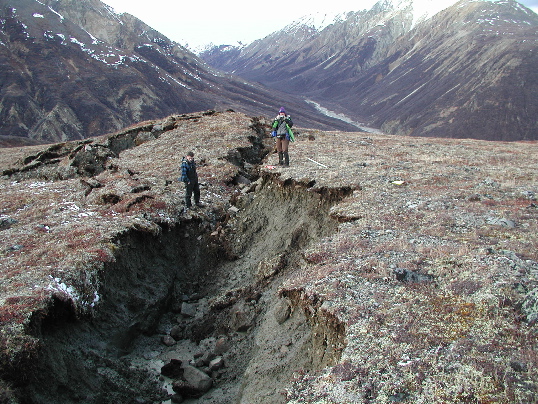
{"points": [[281, 110]]}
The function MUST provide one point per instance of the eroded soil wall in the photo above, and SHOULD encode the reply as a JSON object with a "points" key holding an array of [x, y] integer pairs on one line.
{"points": [[83, 360]]}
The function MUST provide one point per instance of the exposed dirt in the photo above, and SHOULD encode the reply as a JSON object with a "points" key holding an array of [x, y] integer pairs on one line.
{"points": [[275, 223], [376, 269], [83, 359], [118, 353]]}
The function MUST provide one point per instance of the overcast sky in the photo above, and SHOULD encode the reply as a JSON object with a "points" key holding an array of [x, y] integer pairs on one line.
{"points": [[198, 23]]}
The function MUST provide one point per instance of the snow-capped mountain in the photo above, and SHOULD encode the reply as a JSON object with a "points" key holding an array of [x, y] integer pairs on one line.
{"points": [[417, 67], [73, 69]]}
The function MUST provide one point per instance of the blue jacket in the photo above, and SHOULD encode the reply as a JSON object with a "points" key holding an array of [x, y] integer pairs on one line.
{"points": [[188, 171]]}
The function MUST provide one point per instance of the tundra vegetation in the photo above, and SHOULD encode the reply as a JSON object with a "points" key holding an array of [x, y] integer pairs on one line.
{"points": [[375, 269]]}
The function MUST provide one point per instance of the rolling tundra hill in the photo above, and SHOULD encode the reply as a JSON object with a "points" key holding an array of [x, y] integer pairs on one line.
{"points": [[375, 269]]}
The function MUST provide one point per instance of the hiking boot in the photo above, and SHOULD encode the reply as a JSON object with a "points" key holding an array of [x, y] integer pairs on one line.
{"points": [[280, 158], [286, 159], [200, 204]]}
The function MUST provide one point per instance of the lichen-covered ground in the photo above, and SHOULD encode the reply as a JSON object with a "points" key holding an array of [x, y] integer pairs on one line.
{"points": [[427, 276], [433, 269]]}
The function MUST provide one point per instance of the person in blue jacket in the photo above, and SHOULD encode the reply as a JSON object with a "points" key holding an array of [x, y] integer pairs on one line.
{"points": [[282, 131], [190, 177]]}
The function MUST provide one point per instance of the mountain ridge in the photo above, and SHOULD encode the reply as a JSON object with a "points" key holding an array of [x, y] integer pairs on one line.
{"points": [[74, 70], [377, 68]]}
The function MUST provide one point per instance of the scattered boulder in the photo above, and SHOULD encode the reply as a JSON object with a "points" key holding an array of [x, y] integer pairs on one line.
{"points": [[282, 311], [196, 379], [222, 345], [188, 309], [506, 223], [242, 317], [177, 332], [168, 340], [6, 222], [173, 369], [216, 363], [530, 307], [408, 276]]}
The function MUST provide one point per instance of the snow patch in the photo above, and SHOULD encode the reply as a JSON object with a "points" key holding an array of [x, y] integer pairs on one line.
{"points": [[425, 9], [58, 14], [95, 41], [320, 20], [421, 10], [108, 57], [342, 117], [58, 286]]}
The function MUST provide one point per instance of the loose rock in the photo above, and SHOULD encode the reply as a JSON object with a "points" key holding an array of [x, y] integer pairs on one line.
{"points": [[173, 369], [196, 380], [242, 317], [177, 332], [530, 306], [188, 309], [222, 345], [216, 363], [168, 340], [177, 398], [282, 311], [405, 275]]}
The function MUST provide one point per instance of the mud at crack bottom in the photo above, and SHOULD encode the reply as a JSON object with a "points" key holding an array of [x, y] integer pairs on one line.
{"points": [[194, 314]]}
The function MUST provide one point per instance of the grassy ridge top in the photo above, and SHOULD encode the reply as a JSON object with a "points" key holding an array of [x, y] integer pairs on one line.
{"points": [[432, 270]]}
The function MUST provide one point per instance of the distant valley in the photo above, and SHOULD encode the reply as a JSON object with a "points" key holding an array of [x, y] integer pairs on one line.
{"points": [[468, 71], [74, 70]]}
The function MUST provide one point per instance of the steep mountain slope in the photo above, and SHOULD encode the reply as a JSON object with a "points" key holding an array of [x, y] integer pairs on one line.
{"points": [[465, 72], [473, 76], [72, 70]]}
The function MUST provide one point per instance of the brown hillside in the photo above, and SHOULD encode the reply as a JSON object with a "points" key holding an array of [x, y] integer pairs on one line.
{"points": [[376, 269]]}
